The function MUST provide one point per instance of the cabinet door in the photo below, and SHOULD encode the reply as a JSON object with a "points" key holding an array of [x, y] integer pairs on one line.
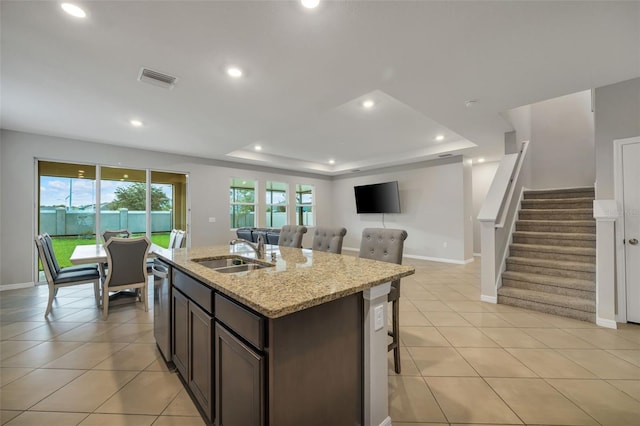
{"points": [[239, 376], [201, 357], [180, 332]]}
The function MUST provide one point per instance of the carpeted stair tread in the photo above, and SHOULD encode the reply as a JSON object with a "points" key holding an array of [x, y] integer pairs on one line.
{"points": [[553, 264], [549, 299], [560, 193], [584, 251], [556, 235], [549, 309], [590, 223], [549, 280], [560, 214], [561, 203]]}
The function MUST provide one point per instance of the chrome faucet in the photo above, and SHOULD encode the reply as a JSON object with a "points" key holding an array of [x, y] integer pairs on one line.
{"points": [[258, 247]]}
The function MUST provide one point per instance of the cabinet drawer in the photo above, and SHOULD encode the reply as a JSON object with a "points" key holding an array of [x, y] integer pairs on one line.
{"points": [[199, 293], [242, 321]]}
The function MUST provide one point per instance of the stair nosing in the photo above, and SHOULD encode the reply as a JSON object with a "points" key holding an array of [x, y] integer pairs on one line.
{"points": [[551, 280], [552, 264], [568, 302], [545, 248], [559, 235]]}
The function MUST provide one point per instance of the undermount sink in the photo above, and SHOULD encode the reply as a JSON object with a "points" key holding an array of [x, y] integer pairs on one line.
{"points": [[231, 264]]}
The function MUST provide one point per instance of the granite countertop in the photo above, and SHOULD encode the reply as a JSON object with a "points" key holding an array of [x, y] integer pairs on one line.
{"points": [[297, 280]]}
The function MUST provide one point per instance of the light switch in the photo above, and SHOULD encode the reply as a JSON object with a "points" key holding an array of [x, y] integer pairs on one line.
{"points": [[212, 220], [379, 317]]}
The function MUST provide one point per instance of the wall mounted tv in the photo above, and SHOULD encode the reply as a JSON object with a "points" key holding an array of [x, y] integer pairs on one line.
{"points": [[378, 198]]}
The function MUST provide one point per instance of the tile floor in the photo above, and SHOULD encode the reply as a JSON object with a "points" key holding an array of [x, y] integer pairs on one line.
{"points": [[463, 362]]}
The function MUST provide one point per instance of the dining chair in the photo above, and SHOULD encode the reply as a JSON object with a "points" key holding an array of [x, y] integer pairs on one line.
{"points": [[127, 260], [328, 239], [64, 277], [291, 236], [387, 245], [180, 240], [172, 238], [121, 233]]}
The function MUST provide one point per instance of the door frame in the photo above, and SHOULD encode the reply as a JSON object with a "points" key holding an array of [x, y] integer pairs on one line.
{"points": [[618, 179]]}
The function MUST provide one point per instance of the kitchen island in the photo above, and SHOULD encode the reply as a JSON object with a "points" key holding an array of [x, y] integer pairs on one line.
{"points": [[296, 339]]}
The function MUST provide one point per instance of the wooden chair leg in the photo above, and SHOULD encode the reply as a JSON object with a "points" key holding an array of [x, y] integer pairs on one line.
{"points": [[105, 303], [52, 293], [145, 294], [96, 292], [396, 334]]}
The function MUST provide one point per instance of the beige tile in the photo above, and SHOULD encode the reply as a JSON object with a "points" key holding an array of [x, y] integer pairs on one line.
{"points": [[85, 332], [524, 319], [512, 338], [484, 319], [87, 392], [419, 424], [15, 328], [629, 331], [32, 418], [548, 363], [557, 339], [599, 399], [86, 356], [470, 400], [422, 336], [495, 362], [630, 387], [602, 363], [39, 355], [118, 420], [411, 401], [466, 337], [48, 331], [182, 405], [135, 397], [440, 362], [408, 366], [446, 319], [467, 306], [24, 392], [135, 356], [126, 333], [9, 348], [431, 306], [406, 305], [604, 338], [536, 402], [413, 319], [8, 375], [179, 421], [158, 365], [563, 322], [6, 415], [629, 355]]}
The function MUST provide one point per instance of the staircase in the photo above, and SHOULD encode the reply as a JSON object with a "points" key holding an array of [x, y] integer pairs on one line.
{"points": [[552, 261]]}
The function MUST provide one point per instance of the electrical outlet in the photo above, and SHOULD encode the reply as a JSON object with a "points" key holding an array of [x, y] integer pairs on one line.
{"points": [[212, 220], [378, 313]]}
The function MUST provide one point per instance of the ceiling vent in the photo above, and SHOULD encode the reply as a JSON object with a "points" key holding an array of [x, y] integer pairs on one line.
{"points": [[445, 155], [157, 78]]}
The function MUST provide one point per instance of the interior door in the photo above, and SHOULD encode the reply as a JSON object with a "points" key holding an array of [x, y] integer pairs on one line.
{"points": [[631, 204]]}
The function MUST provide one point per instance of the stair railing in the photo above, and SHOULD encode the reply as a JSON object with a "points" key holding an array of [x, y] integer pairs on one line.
{"points": [[500, 208]]}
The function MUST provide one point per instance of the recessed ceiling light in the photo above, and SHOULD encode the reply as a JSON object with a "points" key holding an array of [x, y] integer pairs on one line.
{"points": [[73, 10], [440, 137], [234, 72], [368, 103], [332, 161], [136, 123], [480, 160], [258, 148], [310, 4]]}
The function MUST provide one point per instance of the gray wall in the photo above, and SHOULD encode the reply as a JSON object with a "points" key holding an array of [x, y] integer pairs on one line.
{"points": [[562, 142], [617, 116], [483, 174], [208, 180], [432, 196]]}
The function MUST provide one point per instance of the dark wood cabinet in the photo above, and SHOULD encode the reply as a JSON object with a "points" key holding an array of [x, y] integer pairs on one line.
{"points": [[180, 332], [239, 381], [200, 356]]}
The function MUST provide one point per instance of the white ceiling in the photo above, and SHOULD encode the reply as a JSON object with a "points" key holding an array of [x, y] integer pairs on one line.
{"points": [[306, 73]]}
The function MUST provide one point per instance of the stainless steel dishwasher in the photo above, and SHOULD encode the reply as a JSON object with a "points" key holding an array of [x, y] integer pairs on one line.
{"points": [[162, 273]]}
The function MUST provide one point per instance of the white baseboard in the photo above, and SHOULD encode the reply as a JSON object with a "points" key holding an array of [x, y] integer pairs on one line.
{"points": [[606, 323], [477, 254], [489, 299], [16, 286], [432, 259]]}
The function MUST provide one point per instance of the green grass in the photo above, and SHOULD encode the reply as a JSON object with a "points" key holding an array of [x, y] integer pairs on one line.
{"points": [[64, 246]]}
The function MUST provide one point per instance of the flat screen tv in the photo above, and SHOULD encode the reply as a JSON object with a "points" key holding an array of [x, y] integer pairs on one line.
{"points": [[377, 198]]}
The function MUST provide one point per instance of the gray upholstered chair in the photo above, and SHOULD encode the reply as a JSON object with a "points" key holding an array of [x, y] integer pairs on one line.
{"points": [[291, 236], [328, 239], [245, 233], [62, 277], [127, 259], [121, 233], [387, 245], [172, 238], [273, 237], [180, 240]]}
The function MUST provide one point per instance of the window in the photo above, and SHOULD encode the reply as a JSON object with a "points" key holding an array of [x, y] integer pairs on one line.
{"points": [[242, 203], [304, 205], [276, 204]]}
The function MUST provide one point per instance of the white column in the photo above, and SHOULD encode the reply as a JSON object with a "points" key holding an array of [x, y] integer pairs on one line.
{"points": [[488, 290], [605, 212], [376, 379]]}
